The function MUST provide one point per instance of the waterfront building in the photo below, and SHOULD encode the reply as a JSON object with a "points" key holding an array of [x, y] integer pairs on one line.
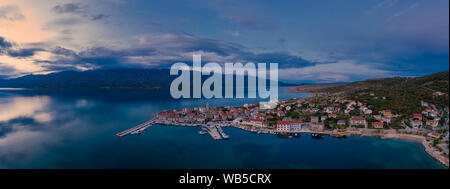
{"points": [[377, 125], [332, 116], [386, 113], [318, 127], [434, 135], [288, 126], [257, 123], [314, 119], [365, 110], [162, 115], [330, 109], [416, 123], [283, 126], [296, 125], [200, 118], [417, 116], [177, 118], [357, 121], [341, 122], [432, 123], [347, 111]]}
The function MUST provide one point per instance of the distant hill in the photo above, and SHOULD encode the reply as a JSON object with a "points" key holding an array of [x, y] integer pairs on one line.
{"points": [[401, 94], [101, 78], [114, 78]]}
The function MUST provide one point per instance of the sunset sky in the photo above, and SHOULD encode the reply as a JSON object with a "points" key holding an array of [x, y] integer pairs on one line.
{"points": [[313, 41]]}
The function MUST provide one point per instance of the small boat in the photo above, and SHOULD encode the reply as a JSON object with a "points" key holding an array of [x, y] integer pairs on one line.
{"points": [[317, 136], [202, 132], [137, 132]]}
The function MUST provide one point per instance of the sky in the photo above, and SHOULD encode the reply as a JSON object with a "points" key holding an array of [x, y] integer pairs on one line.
{"points": [[313, 41]]}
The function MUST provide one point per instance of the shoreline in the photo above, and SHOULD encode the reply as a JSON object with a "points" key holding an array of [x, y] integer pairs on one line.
{"points": [[410, 137], [416, 138]]}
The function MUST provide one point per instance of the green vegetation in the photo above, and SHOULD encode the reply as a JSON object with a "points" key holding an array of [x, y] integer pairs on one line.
{"points": [[293, 114], [399, 94]]}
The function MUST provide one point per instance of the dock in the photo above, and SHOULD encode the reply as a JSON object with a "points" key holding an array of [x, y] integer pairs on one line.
{"points": [[224, 135], [214, 133], [136, 129]]}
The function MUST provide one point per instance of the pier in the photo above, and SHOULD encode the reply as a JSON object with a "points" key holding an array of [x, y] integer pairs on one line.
{"points": [[136, 129], [224, 136], [214, 133]]}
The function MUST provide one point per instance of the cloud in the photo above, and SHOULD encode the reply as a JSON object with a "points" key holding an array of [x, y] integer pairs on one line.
{"points": [[11, 13], [161, 51], [78, 9], [58, 36], [341, 71], [4, 45], [26, 52], [99, 17], [171, 48], [9, 49], [92, 58], [72, 8], [63, 51], [63, 23]]}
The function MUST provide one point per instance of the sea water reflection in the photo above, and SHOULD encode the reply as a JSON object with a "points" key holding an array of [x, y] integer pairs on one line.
{"points": [[75, 128]]}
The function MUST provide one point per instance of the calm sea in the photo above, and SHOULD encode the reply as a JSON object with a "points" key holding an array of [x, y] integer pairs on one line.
{"points": [[75, 128]]}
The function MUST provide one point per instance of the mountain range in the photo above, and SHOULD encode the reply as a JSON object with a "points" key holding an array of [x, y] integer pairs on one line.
{"points": [[100, 78]]}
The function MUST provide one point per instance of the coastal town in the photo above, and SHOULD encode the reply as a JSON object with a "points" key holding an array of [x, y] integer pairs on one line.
{"points": [[335, 116]]}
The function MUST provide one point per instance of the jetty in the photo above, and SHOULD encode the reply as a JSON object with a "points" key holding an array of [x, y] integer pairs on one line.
{"points": [[224, 136], [214, 133], [136, 129]]}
